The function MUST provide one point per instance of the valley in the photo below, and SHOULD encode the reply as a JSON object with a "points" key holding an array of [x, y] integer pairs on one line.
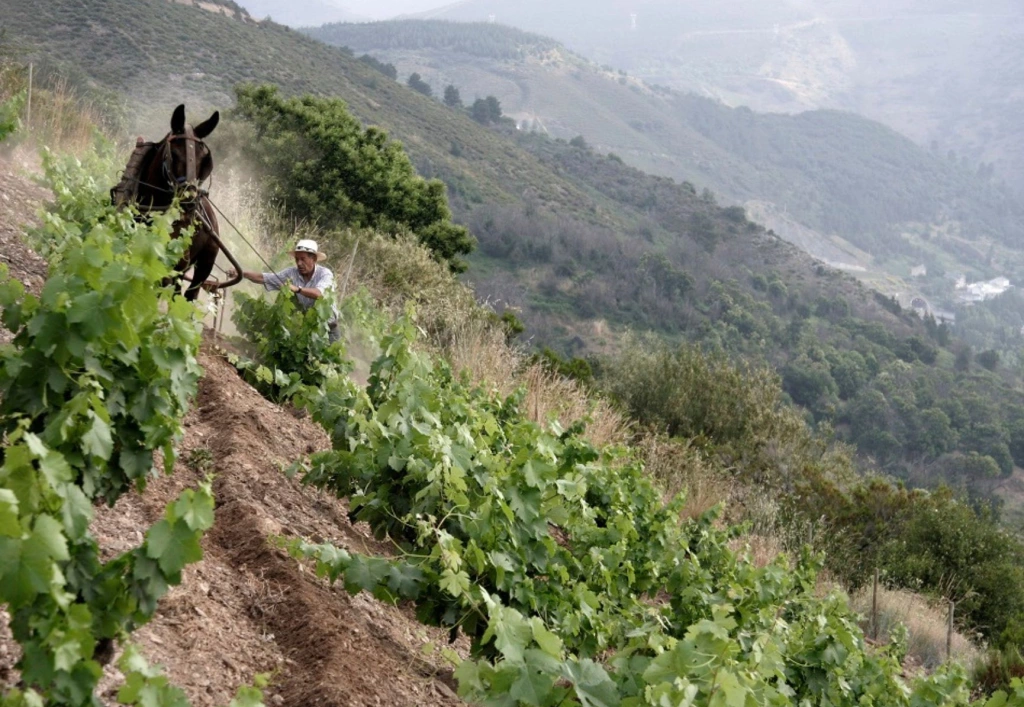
{"points": [[628, 372]]}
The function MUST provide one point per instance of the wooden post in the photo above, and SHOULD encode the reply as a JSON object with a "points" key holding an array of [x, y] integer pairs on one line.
{"points": [[949, 630], [874, 607], [351, 262], [28, 109]]}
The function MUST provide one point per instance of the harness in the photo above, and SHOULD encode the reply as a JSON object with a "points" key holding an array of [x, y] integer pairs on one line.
{"points": [[190, 139], [192, 198], [127, 190]]}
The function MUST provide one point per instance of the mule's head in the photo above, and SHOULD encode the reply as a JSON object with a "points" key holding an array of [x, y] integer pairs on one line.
{"points": [[186, 159]]}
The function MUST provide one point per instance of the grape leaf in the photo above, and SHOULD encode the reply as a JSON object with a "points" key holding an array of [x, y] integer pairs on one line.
{"points": [[173, 546]]}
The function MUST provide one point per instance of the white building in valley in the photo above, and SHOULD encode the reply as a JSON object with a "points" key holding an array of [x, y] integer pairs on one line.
{"points": [[981, 291]]}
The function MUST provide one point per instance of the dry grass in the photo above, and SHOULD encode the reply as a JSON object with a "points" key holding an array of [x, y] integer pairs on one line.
{"points": [[760, 550], [925, 621], [680, 467], [397, 270], [63, 120], [56, 116]]}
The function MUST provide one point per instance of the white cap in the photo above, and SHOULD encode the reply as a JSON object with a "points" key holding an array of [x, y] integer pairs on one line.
{"points": [[309, 246]]}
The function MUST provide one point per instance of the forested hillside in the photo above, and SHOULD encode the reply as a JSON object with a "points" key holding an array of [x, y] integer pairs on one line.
{"points": [[846, 189], [584, 245], [533, 519], [935, 71]]}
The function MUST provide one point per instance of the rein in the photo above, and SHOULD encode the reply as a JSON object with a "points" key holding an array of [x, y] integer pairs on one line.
{"points": [[190, 139]]}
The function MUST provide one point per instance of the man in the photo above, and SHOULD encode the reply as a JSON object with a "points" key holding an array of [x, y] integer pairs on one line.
{"points": [[307, 280]]}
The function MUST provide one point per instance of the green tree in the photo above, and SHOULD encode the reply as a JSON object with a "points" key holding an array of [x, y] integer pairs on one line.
{"points": [[964, 356], [322, 166], [580, 142], [416, 83], [988, 359], [452, 99], [486, 110], [388, 70], [808, 382], [935, 435]]}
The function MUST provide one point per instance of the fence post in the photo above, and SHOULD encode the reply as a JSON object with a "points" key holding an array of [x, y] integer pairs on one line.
{"points": [[348, 273], [28, 108], [874, 607], [949, 630]]}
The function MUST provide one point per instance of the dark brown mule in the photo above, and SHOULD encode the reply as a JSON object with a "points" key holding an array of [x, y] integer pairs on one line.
{"points": [[176, 167]]}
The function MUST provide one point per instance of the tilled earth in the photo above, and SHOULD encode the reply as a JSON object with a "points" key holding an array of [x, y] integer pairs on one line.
{"points": [[247, 607]]}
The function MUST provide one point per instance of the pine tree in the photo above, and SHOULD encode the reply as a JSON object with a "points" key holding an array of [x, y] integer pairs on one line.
{"points": [[452, 99], [416, 83]]}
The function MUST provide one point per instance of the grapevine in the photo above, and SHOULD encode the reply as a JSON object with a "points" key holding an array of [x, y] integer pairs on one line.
{"points": [[574, 581], [98, 377]]}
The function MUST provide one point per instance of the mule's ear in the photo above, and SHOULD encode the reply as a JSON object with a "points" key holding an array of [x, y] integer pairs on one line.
{"points": [[204, 129], [178, 120]]}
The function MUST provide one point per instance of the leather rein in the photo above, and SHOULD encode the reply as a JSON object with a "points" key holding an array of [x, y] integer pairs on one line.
{"points": [[189, 181]]}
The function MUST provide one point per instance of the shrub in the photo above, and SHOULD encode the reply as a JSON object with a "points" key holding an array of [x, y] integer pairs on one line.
{"points": [[322, 166]]}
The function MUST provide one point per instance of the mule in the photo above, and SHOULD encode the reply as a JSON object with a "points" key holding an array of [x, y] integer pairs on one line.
{"points": [[174, 168]]}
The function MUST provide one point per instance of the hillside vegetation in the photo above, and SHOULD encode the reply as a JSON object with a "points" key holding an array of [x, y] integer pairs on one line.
{"points": [[846, 189], [585, 246], [589, 246], [572, 572], [937, 71]]}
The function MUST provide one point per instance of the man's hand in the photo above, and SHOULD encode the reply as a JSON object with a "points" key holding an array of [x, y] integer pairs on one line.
{"points": [[251, 276]]}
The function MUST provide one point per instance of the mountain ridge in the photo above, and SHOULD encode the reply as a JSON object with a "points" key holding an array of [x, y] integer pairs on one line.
{"points": [[877, 59]]}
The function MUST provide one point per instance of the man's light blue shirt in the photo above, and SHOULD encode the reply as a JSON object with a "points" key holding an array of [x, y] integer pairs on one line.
{"points": [[321, 278]]}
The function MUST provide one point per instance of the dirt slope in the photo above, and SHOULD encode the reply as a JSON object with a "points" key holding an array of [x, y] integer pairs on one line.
{"points": [[248, 608], [19, 200]]}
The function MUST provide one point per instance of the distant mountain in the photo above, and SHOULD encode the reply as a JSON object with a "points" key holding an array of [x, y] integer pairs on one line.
{"points": [[947, 71], [312, 13], [848, 190], [302, 13]]}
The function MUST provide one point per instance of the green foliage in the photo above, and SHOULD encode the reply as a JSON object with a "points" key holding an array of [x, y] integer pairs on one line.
{"points": [[416, 83], [452, 98], [931, 542], [575, 583], [103, 362], [322, 166], [999, 669], [988, 359], [486, 111], [575, 368], [97, 377], [292, 346], [10, 110], [733, 410], [387, 69]]}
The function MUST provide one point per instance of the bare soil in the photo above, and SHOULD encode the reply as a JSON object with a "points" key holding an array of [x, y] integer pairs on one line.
{"points": [[247, 607], [20, 198]]}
